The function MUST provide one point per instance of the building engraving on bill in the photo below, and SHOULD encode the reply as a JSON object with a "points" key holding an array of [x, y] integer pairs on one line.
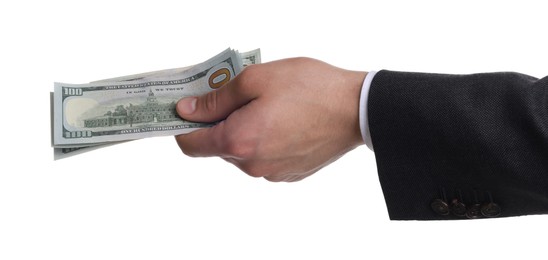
{"points": [[150, 111]]}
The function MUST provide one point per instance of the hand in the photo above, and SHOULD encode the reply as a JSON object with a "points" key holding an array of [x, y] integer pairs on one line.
{"points": [[282, 120]]}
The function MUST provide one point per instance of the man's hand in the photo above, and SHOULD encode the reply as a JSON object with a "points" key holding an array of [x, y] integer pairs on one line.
{"points": [[282, 120]]}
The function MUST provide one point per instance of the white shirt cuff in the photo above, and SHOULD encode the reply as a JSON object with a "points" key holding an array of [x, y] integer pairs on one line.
{"points": [[364, 97]]}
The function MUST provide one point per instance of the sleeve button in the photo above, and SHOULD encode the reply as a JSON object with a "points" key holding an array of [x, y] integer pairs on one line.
{"points": [[490, 210], [474, 211], [458, 208], [440, 207]]}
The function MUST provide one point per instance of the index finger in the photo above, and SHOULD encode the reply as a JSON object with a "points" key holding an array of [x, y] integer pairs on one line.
{"points": [[220, 103], [201, 143]]}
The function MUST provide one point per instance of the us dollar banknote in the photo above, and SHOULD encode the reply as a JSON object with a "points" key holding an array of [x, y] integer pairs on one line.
{"points": [[107, 112]]}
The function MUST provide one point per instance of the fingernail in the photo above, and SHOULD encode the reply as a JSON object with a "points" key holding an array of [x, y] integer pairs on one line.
{"points": [[186, 105]]}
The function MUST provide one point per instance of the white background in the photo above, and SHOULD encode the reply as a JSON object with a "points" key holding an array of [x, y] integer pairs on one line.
{"points": [[146, 200]]}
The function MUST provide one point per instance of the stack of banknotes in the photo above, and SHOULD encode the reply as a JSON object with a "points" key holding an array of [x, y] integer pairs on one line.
{"points": [[89, 116]]}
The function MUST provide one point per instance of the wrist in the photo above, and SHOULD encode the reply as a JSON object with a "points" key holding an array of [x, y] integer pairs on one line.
{"points": [[356, 84]]}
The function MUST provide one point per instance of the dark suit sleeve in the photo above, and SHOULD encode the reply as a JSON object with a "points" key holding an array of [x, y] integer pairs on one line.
{"points": [[460, 146]]}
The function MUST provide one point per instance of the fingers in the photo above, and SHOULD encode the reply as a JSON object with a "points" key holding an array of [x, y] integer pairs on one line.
{"points": [[218, 104], [201, 143], [229, 138], [205, 143], [285, 177]]}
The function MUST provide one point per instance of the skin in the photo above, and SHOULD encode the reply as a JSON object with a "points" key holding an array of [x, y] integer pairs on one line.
{"points": [[283, 120]]}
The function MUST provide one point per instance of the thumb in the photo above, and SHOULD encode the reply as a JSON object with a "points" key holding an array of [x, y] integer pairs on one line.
{"points": [[215, 105]]}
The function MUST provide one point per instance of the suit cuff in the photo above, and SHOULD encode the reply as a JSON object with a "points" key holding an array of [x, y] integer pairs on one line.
{"points": [[364, 97]]}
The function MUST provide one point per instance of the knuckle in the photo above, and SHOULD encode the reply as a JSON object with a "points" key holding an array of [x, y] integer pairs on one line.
{"points": [[266, 170], [240, 150], [275, 178], [302, 59], [252, 169], [189, 153], [209, 103], [248, 79], [184, 147], [299, 61], [254, 173], [250, 72], [240, 143]]}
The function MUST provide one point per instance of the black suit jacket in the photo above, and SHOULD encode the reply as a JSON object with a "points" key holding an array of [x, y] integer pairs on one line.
{"points": [[460, 146]]}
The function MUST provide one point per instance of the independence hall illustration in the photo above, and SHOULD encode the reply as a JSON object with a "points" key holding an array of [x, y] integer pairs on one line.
{"points": [[150, 111]]}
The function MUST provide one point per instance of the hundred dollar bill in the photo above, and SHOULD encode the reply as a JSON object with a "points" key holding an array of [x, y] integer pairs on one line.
{"points": [[251, 57], [98, 113], [248, 58]]}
